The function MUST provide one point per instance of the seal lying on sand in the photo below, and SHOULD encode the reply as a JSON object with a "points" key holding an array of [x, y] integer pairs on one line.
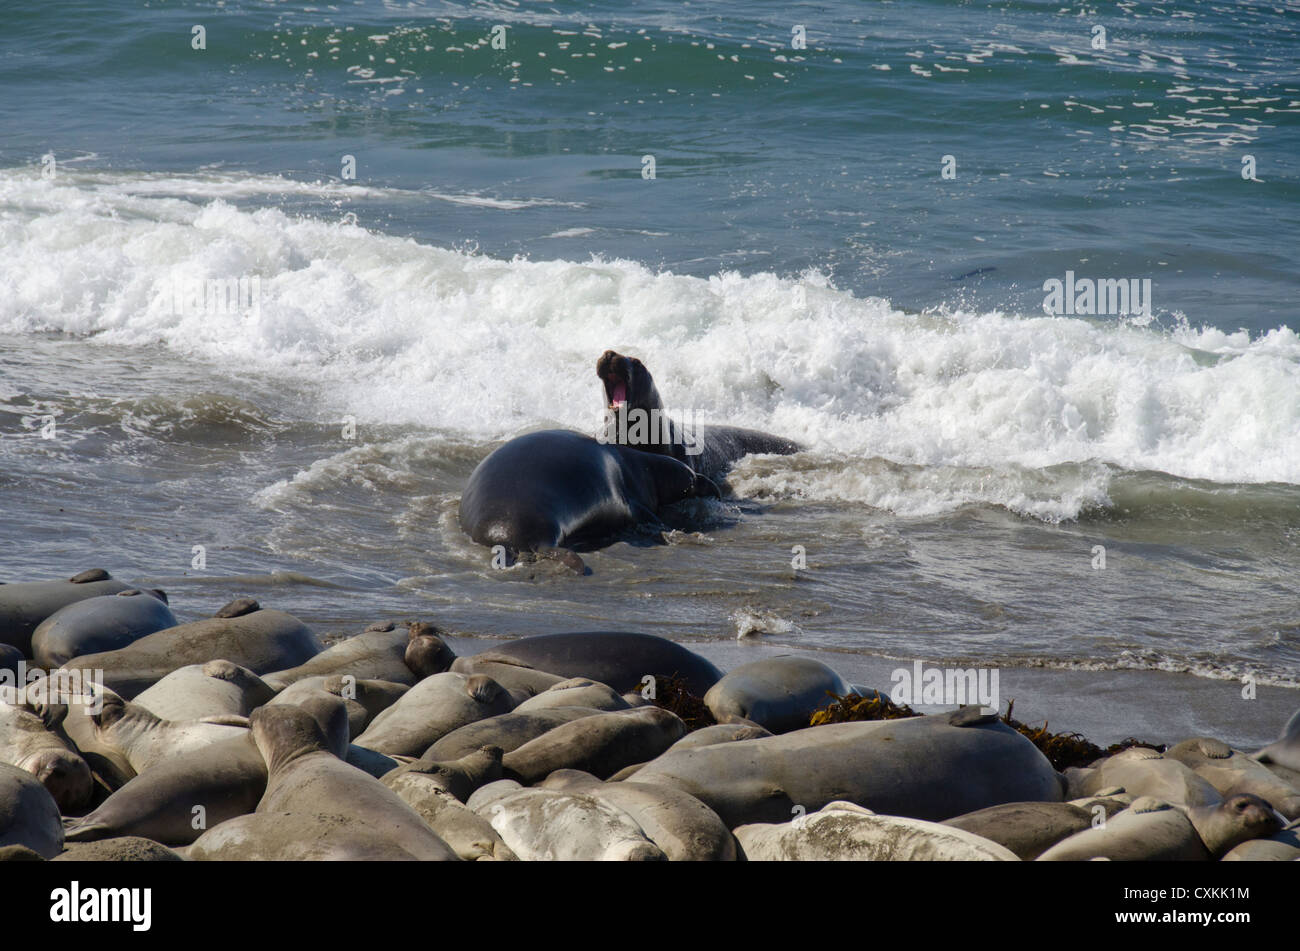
{"points": [[99, 624], [632, 397], [931, 767], [383, 651], [27, 742], [620, 659], [1153, 830], [25, 604], [28, 814], [842, 831], [261, 640], [777, 693]]}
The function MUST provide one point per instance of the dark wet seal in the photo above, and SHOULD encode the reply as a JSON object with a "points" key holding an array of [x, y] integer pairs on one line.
{"points": [[381, 626], [238, 608], [93, 574]]}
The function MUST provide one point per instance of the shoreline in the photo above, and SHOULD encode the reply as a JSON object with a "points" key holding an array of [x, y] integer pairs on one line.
{"points": [[1105, 706]]}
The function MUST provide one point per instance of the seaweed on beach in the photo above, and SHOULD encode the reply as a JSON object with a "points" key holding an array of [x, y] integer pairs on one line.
{"points": [[1062, 750], [853, 707], [672, 695]]}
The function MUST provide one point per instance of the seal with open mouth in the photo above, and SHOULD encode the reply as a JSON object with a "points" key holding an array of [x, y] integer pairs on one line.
{"points": [[638, 419]]}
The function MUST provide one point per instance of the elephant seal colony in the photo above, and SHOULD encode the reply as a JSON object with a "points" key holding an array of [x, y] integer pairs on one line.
{"points": [[242, 736]]}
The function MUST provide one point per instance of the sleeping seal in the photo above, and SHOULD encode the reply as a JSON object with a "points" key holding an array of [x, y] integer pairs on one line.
{"points": [[142, 739], [261, 640], [28, 813], [682, 827], [1143, 772], [1030, 828], [844, 832], [381, 652], [25, 604], [930, 767], [205, 690], [619, 659], [99, 624], [778, 693], [432, 709], [1230, 772], [26, 741], [556, 490], [508, 731], [601, 744], [1152, 830], [549, 825], [632, 398]]}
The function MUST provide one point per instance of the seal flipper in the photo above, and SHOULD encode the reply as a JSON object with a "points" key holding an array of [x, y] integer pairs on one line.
{"points": [[706, 488]]}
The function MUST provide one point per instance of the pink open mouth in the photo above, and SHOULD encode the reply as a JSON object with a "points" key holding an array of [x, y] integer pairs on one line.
{"points": [[619, 395]]}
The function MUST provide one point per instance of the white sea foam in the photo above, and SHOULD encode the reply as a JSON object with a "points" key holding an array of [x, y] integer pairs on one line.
{"points": [[908, 412]]}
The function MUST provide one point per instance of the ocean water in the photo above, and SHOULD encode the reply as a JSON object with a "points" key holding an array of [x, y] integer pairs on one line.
{"points": [[845, 243]]}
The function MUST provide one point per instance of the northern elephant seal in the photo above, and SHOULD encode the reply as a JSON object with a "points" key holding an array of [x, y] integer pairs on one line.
{"points": [[1143, 772], [575, 692], [458, 777], [214, 688], [720, 733], [843, 831], [377, 653], [178, 799], [778, 693], [25, 604], [311, 689], [601, 744], [1284, 751], [1281, 846], [549, 825], [619, 659], [28, 814], [930, 767], [304, 778], [26, 742], [682, 827], [143, 739], [556, 490], [1230, 772], [1154, 830], [431, 709], [636, 417], [1030, 828], [470, 835], [507, 731], [175, 801], [99, 624], [263, 640]]}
